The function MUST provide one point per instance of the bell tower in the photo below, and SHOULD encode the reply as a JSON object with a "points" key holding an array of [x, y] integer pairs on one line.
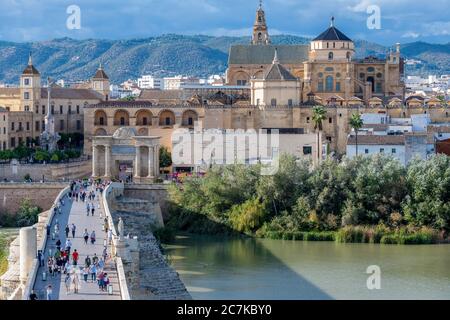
{"points": [[100, 82], [30, 87], [260, 30]]}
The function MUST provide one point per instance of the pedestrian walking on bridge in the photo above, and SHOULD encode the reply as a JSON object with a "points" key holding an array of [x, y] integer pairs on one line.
{"points": [[74, 228]]}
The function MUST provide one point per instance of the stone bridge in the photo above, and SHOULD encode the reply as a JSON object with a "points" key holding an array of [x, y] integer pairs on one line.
{"points": [[137, 268]]}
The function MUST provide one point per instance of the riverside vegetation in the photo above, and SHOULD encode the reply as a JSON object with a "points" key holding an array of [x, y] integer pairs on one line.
{"points": [[365, 199]]}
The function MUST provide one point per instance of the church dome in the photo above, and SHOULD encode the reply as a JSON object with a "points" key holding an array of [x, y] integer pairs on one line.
{"points": [[332, 34]]}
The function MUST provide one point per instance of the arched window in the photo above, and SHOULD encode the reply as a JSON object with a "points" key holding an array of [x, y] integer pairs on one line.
{"points": [[320, 86], [349, 55], [330, 56], [329, 69], [370, 69], [329, 83], [260, 36]]}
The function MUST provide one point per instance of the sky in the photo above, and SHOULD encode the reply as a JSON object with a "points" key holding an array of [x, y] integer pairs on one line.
{"points": [[400, 20]]}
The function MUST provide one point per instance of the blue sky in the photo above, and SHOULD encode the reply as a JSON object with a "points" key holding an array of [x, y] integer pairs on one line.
{"points": [[401, 20]]}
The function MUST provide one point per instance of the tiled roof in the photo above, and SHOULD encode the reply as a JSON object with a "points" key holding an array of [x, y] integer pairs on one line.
{"points": [[69, 93], [278, 72], [376, 127], [377, 140], [100, 74], [30, 70], [156, 94], [332, 34], [263, 55], [9, 91]]}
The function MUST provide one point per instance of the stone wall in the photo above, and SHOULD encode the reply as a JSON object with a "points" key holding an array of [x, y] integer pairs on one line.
{"points": [[148, 275], [50, 172], [152, 192], [40, 194]]}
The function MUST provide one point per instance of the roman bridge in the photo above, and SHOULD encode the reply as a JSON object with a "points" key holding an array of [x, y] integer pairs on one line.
{"points": [[137, 268]]}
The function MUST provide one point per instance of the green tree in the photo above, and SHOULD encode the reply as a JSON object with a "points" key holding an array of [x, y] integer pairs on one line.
{"points": [[428, 202], [6, 155], [41, 155], [165, 158], [378, 188], [319, 115], [356, 123], [248, 216], [27, 214], [22, 151]]}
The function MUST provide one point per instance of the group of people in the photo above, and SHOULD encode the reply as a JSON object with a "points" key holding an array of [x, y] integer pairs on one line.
{"points": [[65, 261]]}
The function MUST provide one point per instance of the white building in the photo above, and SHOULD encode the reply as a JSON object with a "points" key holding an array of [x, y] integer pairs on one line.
{"points": [[179, 82], [393, 145], [150, 82], [197, 150], [401, 138]]}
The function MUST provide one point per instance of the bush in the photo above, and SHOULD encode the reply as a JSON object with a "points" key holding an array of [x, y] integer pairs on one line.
{"points": [[247, 217], [164, 235], [389, 239], [27, 214], [8, 220], [3, 255]]}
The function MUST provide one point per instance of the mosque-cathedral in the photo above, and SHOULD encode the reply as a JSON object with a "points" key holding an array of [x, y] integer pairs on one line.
{"points": [[267, 87]]}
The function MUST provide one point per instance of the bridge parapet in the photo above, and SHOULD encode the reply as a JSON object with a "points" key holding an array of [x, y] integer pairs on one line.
{"points": [[19, 279], [119, 244]]}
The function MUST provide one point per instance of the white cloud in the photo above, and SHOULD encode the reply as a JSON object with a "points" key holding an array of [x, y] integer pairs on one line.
{"points": [[411, 34]]}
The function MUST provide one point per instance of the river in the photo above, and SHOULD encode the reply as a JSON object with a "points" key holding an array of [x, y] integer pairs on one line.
{"points": [[222, 268]]}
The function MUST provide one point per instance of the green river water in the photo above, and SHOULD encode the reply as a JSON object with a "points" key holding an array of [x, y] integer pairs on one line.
{"points": [[223, 268]]}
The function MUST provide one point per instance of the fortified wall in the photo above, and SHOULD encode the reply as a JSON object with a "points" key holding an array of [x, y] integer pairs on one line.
{"points": [[15, 171], [41, 195]]}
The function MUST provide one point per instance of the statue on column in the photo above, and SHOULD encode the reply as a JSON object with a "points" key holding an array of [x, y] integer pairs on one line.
{"points": [[120, 229], [49, 138]]}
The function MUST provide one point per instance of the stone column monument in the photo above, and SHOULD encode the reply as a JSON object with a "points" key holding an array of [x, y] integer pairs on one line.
{"points": [[28, 251], [49, 138]]}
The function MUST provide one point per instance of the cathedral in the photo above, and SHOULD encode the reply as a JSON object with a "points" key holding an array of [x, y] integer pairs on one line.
{"points": [[325, 71]]}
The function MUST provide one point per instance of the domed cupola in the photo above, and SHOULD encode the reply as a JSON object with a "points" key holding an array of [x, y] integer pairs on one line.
{"points": [[332, 45]]}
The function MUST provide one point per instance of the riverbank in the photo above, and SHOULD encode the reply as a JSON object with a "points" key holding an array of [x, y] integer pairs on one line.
{"points": [[360, 200], [363, 234], [6, 236]]}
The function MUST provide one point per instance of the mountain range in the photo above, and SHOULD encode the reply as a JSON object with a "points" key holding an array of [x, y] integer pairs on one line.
{"points": [[171, 54]]}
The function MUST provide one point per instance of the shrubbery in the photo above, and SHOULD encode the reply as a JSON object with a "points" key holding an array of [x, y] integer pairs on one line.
{"points": [[366, 199], [27, 215], [39, 155]]}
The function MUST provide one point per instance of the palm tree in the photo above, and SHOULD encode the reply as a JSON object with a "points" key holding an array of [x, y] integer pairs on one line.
{"points": [[356, 123], [319, 115]]}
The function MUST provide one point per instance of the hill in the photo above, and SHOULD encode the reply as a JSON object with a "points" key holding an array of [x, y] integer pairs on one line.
{"points": [[168, 55]]}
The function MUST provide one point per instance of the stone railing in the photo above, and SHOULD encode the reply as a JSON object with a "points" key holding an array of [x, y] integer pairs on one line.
{"points": [[34, 269], [113, 190]]}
